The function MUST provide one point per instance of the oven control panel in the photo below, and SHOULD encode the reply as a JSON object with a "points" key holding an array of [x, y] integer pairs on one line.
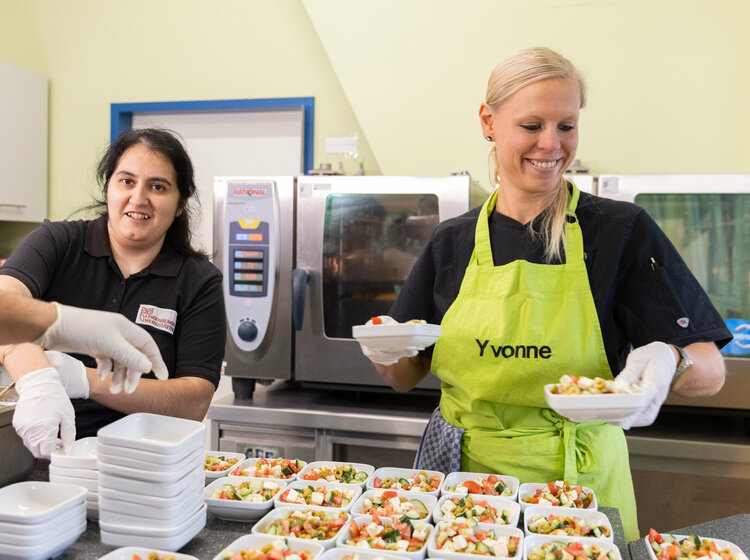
{"points": [[250, 260]]}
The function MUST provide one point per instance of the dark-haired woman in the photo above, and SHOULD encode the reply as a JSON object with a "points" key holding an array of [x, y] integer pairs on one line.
{"points": [[135, 259]]}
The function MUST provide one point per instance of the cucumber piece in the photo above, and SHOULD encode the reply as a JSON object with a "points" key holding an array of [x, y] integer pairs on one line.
{"points": [[299, 463], [404, 481], [287, 471], [482, 548], [420, 506], [361, 476], [411, 514]]}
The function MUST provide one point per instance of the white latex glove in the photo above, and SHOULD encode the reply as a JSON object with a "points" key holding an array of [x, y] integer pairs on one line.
{"points": [[116, 343], [72, 373], [43, 409], [390, 356], [650, 367]]}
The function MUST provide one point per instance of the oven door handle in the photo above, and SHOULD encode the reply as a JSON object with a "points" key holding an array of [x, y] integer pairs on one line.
{"points": [[300, 279]]}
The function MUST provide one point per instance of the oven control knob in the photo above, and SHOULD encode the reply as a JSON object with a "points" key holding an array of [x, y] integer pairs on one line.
{"points": [[247, 331]]}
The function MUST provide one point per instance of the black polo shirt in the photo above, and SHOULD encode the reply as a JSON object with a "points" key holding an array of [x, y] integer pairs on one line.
{"points": [[177, 299], [637, 301]]}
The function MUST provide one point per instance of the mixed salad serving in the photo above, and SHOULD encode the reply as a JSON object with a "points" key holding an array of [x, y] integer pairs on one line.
{"points": [[253, 491], [560, 493], [389, 533], [308, 524], [667, 547], [153, 556], [566, 525], [320, 496], [388, 503], [557, 550], [272, 468], [345, 474], [277, 550], [474, 510], [574, 385], [492, 485], [454, 536], [220, 463], [418, 482]]}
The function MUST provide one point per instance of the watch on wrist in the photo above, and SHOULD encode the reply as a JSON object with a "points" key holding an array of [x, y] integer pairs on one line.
{"points": [[681, 373]]}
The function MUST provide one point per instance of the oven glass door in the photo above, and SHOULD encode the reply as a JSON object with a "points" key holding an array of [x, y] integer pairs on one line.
{"points": [[712, 234], [370, 243]]}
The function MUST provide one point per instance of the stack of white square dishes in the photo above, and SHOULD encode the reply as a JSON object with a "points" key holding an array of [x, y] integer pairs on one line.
{"points": [[151, 481], [79, 468], [40, 519]]}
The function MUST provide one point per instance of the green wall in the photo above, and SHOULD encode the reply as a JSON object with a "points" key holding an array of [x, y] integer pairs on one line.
{"points": [[668, 85]]}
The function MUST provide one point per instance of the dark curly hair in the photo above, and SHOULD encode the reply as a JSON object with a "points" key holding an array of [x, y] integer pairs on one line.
{"points": [[166, 143]]}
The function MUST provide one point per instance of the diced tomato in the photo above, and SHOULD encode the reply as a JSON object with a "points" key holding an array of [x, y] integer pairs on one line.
{"points": [[311, 476], [353, 529], [654, 536], [377, 545], [435, 482], [377, 483], [376, 321], [473, 538], [388, 494], [285, 525], [416, 543], [552, 487], [135, 557], [338, 522], [473, 487], [405, 532]]}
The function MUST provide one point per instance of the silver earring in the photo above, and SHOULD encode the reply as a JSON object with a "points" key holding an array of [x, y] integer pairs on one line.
{"points": [[488, 138]]}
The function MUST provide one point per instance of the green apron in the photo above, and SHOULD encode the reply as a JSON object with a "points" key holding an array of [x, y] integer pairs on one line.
{"points": [[511, 330]]}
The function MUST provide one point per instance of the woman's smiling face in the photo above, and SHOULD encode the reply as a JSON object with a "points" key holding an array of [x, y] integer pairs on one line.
{"points": [[536, 134], [142, 199]]}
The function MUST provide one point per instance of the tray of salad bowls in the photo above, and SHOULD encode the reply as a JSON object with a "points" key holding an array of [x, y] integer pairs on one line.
{"points": [[556, 493]]}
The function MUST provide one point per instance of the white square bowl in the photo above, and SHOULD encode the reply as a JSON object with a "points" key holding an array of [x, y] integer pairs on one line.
{"points": [[149, 457], [90, 484], [591, 518], [362, 554], [166, 475], [70, 522], [498, 504], [213, 475], [127, 553], [152, 501], [256, 542], [238, 510], [149, 468], [528, 490], [397, 336], [406, 503], [499, 530], [152, 488], [248, 467], [83, 455], [339, 520], [412, 485], [349, 491], [73, 472], [171, 543], [36, 502], [720, 544], [365, 520], [609, 407], [165, 516], [149, 530], [313, 469], [539, 540], [454, 481], [153, 432], [39, 529], [46, 548]]}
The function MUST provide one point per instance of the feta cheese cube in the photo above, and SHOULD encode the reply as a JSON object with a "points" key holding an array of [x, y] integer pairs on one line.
{"points": [[420, 533], [501, 548], [401, 544], [448, 505], [544, 502], [479, 510], [256, 499], [317, 498], [269, 485], [293, 496], [279, 545], [373, 529], [459, 542]]}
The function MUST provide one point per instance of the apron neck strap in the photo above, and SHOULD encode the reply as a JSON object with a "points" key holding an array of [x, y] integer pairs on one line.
{"points": [[482, 254]]}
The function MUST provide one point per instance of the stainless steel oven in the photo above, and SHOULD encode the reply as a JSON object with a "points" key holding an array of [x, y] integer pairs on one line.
{"points": [[707, 218], [306, 258]]}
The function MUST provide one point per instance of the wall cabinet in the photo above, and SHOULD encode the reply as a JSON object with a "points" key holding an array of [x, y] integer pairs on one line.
{"points": [[23, 145]]}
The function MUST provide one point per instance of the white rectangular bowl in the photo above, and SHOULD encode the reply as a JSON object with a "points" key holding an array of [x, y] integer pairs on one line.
{"points": [[148, 467], [170, 543], [69, 523], [538, 540], [363, 554], [90, 484], [236, 510], [40, 529], [166, 475], [389, 472], [36, 502], [301, 484], [152, 488], [74, 472], [369, 469], [127, 553], [83, 455], [153, 432], [592, 517], [45, 549], [609, 407], [146, 515], [455, 478], [500, 530], [213, 475], [429, 501], [721, 544], [151, 531], [248, 466], [278, 513], [364, 520], [528, 489], [256, 542], [497, 502]]}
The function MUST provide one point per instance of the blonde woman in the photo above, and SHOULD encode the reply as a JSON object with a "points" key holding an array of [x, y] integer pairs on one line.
{"points": [[545, 280]]}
